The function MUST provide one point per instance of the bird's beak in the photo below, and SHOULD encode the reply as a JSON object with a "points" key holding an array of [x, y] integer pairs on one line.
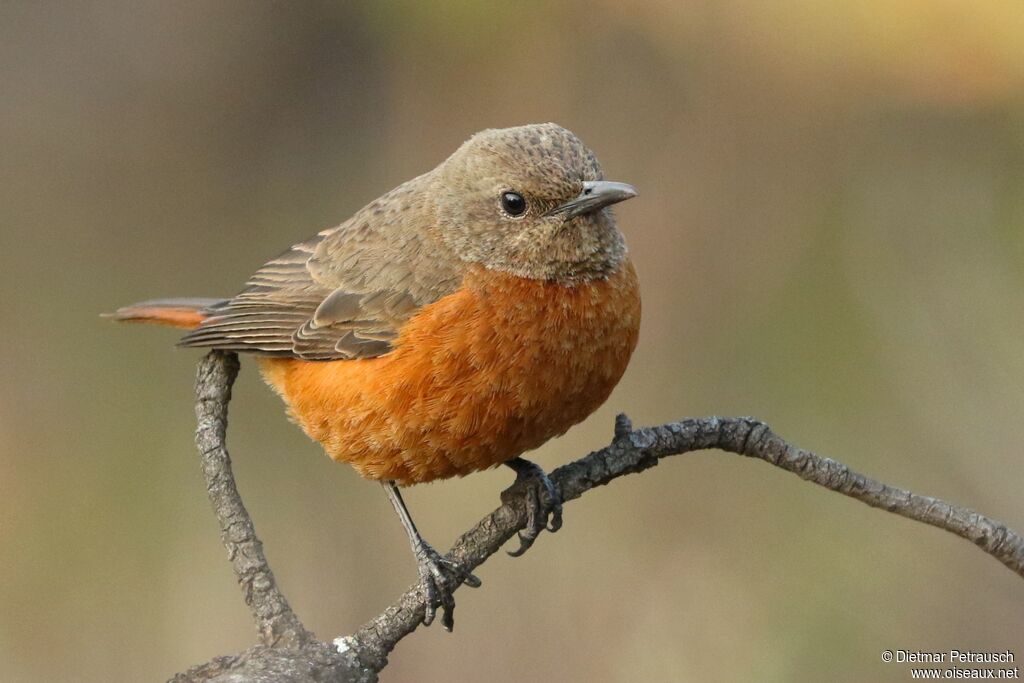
{"points": [[596, 195]]}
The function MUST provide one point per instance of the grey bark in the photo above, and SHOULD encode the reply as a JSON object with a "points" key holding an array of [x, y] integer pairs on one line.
{"points": [[290, 653], [275, 620]]}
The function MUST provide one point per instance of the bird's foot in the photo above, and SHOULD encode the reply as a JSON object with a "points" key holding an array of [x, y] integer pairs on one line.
{"points": [[543, 502], [439, 577]]}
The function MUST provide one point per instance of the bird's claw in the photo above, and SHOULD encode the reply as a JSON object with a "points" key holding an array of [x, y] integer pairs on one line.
{"points": [[543, 503], [439, 577]]}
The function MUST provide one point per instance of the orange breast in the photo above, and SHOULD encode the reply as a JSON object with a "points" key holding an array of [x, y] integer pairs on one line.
{"points": [[476, 378]]}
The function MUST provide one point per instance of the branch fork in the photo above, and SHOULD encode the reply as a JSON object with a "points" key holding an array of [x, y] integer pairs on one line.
{"points": [[289, 653]]}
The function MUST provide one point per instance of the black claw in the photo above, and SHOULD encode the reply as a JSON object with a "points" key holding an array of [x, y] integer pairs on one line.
{"points": [[542, 502], [556, 520], [439, 577], [525, 543]]}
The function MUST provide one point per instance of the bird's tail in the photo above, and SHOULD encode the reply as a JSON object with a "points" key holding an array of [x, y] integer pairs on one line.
{"points": [[187, 313]]}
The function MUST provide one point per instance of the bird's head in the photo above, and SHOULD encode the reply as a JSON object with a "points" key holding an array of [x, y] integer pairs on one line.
{"points": [[531, 201]]}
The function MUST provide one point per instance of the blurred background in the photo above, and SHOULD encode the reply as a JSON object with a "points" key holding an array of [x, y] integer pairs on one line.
{"points": [[828, 237]]}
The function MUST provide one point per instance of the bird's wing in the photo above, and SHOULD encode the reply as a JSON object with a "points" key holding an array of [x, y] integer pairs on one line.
{"points": [[343, 294]]}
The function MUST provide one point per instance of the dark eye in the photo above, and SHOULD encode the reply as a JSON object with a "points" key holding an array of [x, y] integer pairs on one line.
{"points": [[513, 203]]}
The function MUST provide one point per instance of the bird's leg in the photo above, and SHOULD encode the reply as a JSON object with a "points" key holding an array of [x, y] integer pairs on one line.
{"points": [[542, 501], [439, 576]]}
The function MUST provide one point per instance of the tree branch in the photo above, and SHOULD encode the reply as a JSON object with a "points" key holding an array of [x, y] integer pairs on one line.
{"points": [[290, 653], [275, 620]]}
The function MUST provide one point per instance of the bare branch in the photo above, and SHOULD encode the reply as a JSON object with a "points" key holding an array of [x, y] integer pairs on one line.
{"points": [[275, 620], [360, 656]]}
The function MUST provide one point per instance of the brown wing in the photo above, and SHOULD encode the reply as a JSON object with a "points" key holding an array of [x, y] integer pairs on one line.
{"points": [[343, 294]]}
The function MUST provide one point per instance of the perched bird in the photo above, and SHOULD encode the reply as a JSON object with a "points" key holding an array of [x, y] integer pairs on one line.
{"points": [[458, 321]]}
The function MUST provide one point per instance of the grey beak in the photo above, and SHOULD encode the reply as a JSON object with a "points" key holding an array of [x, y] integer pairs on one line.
{"points": [[596, 194]]}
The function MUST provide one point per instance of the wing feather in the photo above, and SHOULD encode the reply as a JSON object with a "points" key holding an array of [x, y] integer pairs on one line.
{"points": [[342, 294]]}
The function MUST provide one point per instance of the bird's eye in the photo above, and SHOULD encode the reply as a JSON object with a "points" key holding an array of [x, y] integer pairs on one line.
{"points": [[513, 204]]}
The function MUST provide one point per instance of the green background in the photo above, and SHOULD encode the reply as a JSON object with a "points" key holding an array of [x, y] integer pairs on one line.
{"points": [[828, 237]]}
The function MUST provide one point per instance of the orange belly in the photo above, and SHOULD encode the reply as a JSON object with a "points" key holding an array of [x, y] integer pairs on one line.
{"points": [[475, 379]]}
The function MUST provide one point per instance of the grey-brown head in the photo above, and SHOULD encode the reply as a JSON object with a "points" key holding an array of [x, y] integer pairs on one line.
{"points": [[531, 201]]}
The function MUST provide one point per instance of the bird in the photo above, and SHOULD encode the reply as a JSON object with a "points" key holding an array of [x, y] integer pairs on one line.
{"points": [[453, 324]]}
